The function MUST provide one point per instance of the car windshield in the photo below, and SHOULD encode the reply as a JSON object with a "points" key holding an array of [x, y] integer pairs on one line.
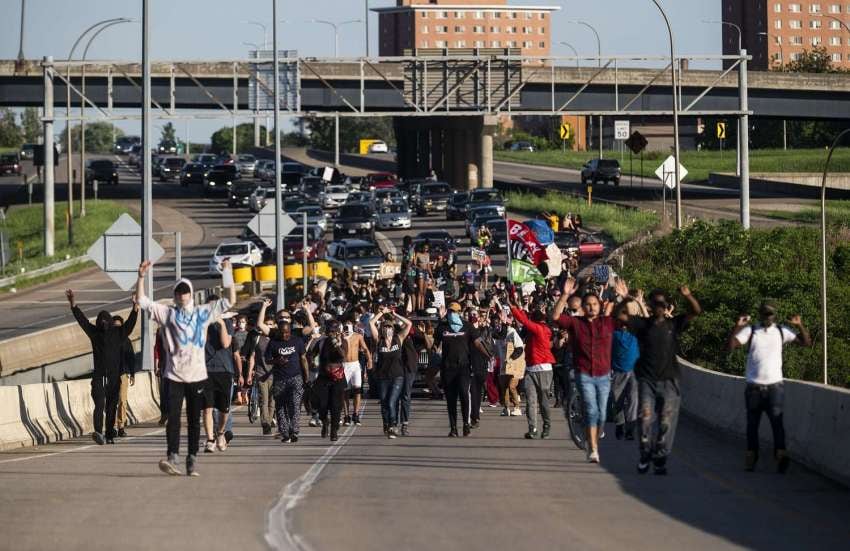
{"points": [[230, 250], [174, 162], [290, 167], [435, 189], [395, 208], [103, 165], [459, 198], [311, 211], [354, 211], [485, 213], [8, 159], [247, 158], [230, 169], [486, 197], [608, 163], [314, 233], [364, 251], [496, 226], [336, 189]]}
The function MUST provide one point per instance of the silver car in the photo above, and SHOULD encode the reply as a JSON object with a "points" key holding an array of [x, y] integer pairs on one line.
{"points": [[247, 164], [393, 215], [315, 216], [334, 196]]}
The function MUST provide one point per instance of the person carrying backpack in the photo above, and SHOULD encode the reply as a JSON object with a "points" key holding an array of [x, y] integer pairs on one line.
{"points": [[765, 389], [625, 352]]}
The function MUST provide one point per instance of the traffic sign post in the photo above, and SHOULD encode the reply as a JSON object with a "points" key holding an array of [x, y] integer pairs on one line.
{"points": [[118, 252], [721, 135], [621, 130], [566, 133], [667, 174], [636, 144]]}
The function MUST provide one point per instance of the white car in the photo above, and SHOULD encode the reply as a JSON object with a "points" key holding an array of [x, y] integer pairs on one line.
{"points": [[393, 215], [244, 253], [334, 196], [379, 147]]}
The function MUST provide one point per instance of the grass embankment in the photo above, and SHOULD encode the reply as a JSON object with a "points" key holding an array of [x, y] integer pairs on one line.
{"points": [[698, 163], [731, 271], [25, 227], [618, 223], [837, 212]]}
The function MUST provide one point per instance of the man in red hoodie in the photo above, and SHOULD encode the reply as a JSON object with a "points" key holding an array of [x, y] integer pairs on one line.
{"points": [[539, 360]]}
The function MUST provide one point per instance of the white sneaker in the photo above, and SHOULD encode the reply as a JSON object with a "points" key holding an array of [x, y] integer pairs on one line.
{"points": [[209, 447], [593, 457], [480, 410], [516, 412], [221, 443]]}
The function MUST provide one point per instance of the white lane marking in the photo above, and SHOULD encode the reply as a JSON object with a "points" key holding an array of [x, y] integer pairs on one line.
{"points": [[80, 448], [279, 534]]}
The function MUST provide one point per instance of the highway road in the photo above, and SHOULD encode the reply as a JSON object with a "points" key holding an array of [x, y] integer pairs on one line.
{"points": [[492, 490]]}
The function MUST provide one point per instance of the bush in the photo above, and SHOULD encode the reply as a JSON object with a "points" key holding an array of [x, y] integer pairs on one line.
{"points": [[731, 271]]}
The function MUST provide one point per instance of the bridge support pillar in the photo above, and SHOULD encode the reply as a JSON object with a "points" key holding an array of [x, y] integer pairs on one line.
{"points": [[486, 166]]}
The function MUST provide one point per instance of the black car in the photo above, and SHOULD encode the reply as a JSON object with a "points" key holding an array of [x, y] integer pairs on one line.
{"points": [[601, 170], [102, 171], [207, 160], [312, 187], [486, 198], [290, 175], [170, 167], [192, 173], [457, 205], [430, 197], [357, 220], [167, 146], [124, 144], [221, 178], [240, 194]]}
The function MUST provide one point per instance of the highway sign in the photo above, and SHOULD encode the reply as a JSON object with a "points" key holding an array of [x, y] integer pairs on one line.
{"points": [[667, 172], [721, 131], [621, 130], [118, 252], [636, 142], [566, 131], [263, 225]]}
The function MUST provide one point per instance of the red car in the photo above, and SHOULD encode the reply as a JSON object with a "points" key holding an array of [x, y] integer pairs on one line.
{"points": [[381, 180], [316, 249], [588, 246], [10, 164]]}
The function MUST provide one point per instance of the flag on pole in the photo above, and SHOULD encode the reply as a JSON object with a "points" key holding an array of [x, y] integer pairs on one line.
{"points": [[524, 244], [523, 272]]}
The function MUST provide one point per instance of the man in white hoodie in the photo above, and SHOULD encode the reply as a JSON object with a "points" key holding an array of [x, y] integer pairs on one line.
{"points": [[184, 328]]}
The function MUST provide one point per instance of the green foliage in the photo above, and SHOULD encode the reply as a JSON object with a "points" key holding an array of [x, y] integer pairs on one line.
{"points": [[169, 133], [540, 143], [10, 132], [98, 137], [816, 60], [222, 139], [618, 223], [837, 212], [731, 271], [31, 125], [351, 131]]}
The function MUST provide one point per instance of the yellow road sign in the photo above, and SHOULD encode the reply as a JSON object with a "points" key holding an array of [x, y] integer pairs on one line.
{"points": [[721, 131], [566, 131]]}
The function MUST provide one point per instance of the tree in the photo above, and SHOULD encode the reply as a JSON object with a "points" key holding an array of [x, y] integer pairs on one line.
{"points": [[222, 139], [816, 60], [10, 132], [31, 125], [351, 131], [169, 134], [98, 137]]}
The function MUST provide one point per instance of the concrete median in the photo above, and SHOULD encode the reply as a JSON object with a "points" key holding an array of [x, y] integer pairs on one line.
{"points": [[816, 417], [36, 414]]}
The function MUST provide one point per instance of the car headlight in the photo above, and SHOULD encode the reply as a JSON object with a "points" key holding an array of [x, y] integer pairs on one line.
{"points": [[338, 226], [212, 184], [228, 183]]}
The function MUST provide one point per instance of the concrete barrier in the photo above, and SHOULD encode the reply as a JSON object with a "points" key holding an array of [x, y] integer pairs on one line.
{"points": [[817, 417], [794, 184], [36, 414]]}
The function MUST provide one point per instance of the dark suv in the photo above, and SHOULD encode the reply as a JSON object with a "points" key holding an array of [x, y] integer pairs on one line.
{"points": [[10, 163], [430, 197], [355, 220], [220, 178], [601, 170], [170, 167], [102, 171]]}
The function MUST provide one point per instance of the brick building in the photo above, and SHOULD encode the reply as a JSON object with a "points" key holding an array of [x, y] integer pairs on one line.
{"points": [[776, 32], [464, 24]]}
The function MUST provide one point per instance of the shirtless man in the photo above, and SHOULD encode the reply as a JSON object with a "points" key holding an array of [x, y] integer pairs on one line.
{"points": [[353, 344]]}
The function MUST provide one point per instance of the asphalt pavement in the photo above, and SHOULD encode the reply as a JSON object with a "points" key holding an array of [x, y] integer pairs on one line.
{"points": [[492, 490]]}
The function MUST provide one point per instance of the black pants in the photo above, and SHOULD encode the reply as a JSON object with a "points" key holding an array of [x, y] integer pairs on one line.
{"points": [[456, 385], [194, 395], [329, 396], [767, 399], [163, 396], [476, 390], [105, 391]]}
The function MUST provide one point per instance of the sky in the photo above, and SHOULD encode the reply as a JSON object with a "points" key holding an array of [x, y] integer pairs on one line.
{"points": [[216, 29]]}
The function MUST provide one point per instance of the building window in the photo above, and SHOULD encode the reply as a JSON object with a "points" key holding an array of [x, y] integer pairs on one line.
{"points": [[424, 44], [425, 29], [794, 8], [497, 15], [542, 16], [777, 24], [814, 8], [442, 15], [512, 15], [795, 24], [542, 44], [834, 8], [495, 44], [835, 41], [478, 29], [423, 14], [836, 57], [440, 44], [527, 30], [814, 24], [797, 40], [441, 29], [479, 43], [478, 15], [795, 56], [835, 25], [460, 15], [511, 43], [777, 8], [816, 40], [528, 44], [460, 44], [460, 29], [495, 29], [529, 15]]}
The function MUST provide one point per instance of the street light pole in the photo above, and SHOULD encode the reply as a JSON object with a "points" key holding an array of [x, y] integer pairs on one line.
{"points": [[278, 197], [823, 250], [570, 46], [598, 64], [21, 44], [675, 117], [147, 190], [336, 27], [265, 32], [738, 133], [366, 20]]}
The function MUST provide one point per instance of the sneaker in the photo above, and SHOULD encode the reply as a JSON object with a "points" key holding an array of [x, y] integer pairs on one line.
{"points": [[110, 440], [314, 422], [169, 465], [531, 434], [356, 419], [505, 412], [324, 431], [453, 432], [267, 429], [750, 461], [660, 466], [386, 429], [516, 412], [391, 433], [630, 431], [162, 420], [221, 443], [98, 437], [210, 446], [494, 405], [293, 438], [347, 421], [285, 440], [405, 431], [619, 432], [475, 424], [545, 434], [782, 461], [593, 457], [121, 433], [274, 422], [466, 430], [228, 436], [340, 422], [601, 433], [480, 410], [643, 467], [334, 436], [190, 466]]}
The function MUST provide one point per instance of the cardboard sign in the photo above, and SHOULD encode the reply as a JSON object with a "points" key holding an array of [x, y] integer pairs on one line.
{"points": [[439, 299], [389, 270], [477, 254]]}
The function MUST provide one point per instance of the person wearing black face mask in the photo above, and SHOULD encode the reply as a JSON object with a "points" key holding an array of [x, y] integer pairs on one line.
{"points": [[107, 342]]}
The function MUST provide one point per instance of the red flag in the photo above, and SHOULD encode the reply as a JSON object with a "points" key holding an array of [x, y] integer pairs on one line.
{"points": [[527, 246]]}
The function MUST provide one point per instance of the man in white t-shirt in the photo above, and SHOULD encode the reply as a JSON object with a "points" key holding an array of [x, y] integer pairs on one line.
{"points": [[765, 391]]}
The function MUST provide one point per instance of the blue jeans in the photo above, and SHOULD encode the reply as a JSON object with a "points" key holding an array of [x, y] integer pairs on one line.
{"points": [[405, 396], [594, 392], [389, 391]]}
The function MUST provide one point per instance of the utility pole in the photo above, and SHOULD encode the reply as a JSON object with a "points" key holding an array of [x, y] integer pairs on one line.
{"points": [[336, 140], [21, 45], [49, 212], [147, 191], [278, 196], [366, 19], [744, 124]]}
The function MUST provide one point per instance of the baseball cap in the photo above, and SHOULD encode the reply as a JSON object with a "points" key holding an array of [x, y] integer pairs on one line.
{"points": [[454, 306]]}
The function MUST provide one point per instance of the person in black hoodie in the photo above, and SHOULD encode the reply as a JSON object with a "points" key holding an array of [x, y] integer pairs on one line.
{"points": [[107, 343]]}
